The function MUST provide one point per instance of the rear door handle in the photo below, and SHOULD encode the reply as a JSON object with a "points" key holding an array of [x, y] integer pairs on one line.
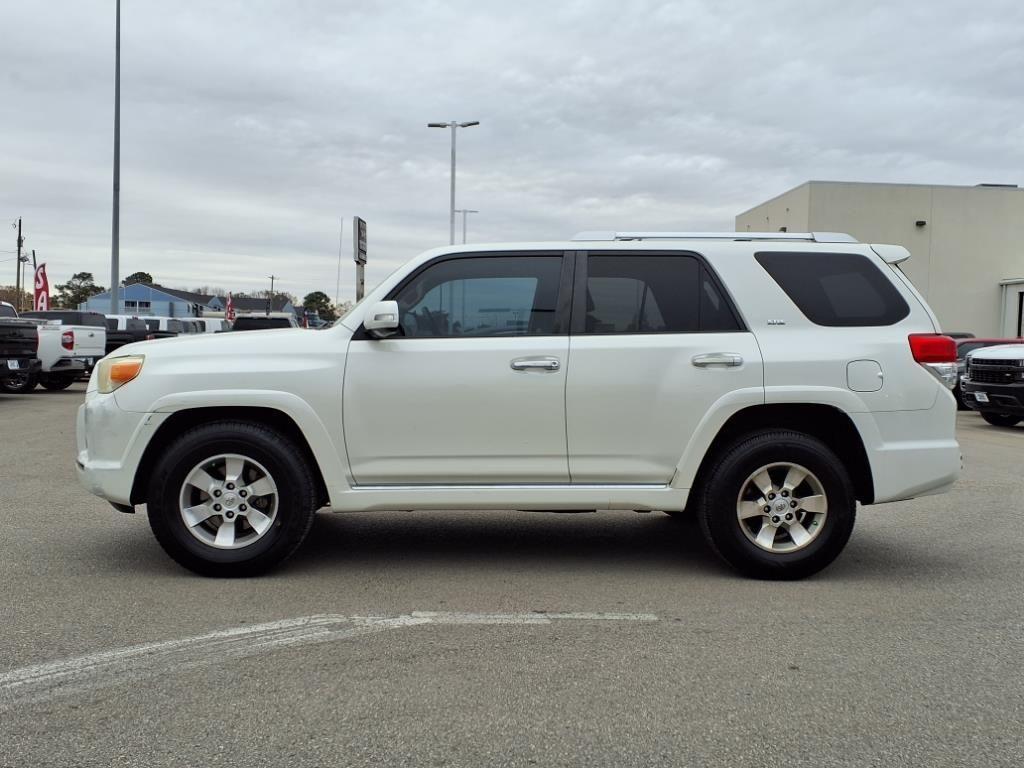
{"points": [[724, 359], [536, 363]]}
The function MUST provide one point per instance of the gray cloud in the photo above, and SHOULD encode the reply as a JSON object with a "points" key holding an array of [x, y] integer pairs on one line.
{"points": [[249, 128]]}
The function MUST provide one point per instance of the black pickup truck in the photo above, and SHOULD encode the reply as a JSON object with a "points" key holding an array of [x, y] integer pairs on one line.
{"points": [[126, 330], [19, 341]]}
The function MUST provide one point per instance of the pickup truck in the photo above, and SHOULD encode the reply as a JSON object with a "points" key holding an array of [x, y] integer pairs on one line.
{"points": [[993, 384], [70, 343], [127, 329], [19, 341]]}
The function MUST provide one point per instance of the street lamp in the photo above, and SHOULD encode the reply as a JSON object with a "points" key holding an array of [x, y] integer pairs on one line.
{"points": [[454, 124], [464, 211]]}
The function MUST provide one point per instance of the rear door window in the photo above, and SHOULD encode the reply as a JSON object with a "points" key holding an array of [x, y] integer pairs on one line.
{"points": [[629, 293], [836, 289]]}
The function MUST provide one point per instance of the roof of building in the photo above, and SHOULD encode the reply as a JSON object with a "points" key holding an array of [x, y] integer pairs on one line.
{"points": [[259, 303], [189, 296]]}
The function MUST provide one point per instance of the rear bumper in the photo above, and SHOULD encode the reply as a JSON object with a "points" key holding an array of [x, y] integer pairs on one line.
{"points": [[1002, 398], [912, 453], [110, 444]]}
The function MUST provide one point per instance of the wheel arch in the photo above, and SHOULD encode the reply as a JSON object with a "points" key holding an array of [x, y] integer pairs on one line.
{"points": [[182, 420], [824, 422]]}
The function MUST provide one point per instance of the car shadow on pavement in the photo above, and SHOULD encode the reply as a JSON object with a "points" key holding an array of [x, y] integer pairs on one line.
{"points": [[504, 539]]}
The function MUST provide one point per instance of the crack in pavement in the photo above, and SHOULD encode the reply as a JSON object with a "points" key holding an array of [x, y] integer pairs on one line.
{"points": [[39, 682]]}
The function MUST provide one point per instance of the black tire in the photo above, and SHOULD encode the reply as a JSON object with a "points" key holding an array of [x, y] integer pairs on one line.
{"points": [[56, 381], [1001, 419], [959, 396], [285, 462], [19, 384], [718, 496]]}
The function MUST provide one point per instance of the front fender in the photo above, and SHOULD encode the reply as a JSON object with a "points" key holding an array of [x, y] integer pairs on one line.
{"points": [[327, 444]]}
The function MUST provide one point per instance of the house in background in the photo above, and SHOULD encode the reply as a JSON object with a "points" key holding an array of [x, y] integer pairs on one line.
{"points": [[146, 299], [249, 304]]}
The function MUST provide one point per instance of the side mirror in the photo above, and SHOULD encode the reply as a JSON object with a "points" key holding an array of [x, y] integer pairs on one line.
{"points": [[382, 319]]}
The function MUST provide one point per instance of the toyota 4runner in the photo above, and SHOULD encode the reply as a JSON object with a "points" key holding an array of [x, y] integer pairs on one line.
{"points": [[765, 383]]}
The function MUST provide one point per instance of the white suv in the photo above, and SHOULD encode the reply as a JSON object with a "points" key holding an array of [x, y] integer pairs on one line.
{"points": [[765, 383]]}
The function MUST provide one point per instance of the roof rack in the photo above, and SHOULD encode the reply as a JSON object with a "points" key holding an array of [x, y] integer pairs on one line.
{"points": [[812, 237]]}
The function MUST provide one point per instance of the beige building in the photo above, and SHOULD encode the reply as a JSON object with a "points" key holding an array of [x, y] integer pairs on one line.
{"points": [[966, 243]]}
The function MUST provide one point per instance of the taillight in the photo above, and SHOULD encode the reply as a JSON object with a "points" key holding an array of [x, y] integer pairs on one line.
{"points": [[67, 340], [932, 348], [937, 353]]}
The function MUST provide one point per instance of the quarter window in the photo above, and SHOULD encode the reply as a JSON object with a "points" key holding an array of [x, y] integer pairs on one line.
{"points": [[482, 296], [836, 289]]}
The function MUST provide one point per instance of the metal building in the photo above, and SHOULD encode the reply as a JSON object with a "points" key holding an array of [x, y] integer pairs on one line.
{"points": [[966, 243]]}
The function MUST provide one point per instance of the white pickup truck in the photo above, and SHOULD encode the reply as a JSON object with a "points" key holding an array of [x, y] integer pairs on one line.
{"points": [[70, 344]]}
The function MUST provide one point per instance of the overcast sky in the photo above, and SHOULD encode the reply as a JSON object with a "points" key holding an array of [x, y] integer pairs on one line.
{"points": [[249, 128]]}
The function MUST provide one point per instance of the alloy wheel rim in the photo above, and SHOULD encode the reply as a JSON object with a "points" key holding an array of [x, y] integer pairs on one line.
{"points": [[782, 507], [228, 501]]}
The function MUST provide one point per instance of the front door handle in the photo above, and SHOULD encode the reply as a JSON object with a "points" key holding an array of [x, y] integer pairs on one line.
{"points": [[724, 359], [536, 363]]}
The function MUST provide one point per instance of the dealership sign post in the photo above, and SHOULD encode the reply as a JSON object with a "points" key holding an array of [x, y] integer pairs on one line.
{"points": [[359, 254]]}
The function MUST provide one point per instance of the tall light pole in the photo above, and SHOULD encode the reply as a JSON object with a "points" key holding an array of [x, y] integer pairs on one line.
{"points": [[115, 226], [454, 125], [464, 211]]}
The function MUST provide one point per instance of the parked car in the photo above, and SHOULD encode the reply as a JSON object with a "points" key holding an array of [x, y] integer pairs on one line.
{"points": [[212, 324], [19, 342], [963, 348], [190, 325], [70, 343], [763, 383], [163, 327], [263, 322], [993, 383], [125, 329]]}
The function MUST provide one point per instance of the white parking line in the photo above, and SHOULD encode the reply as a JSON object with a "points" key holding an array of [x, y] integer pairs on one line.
{"points": [[44, 681]]}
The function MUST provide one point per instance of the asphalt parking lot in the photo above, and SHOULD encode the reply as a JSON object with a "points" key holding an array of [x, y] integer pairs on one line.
{"points": [[467, 639]]}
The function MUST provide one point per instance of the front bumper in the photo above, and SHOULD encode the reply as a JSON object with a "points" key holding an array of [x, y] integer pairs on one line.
{"points": [[1003, 398], [110, 444]]}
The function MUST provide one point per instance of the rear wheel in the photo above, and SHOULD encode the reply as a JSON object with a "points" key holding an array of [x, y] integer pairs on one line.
{"points": [[777, 505], [56, 381], [231, 499], [1001, 419], [19, 383]]}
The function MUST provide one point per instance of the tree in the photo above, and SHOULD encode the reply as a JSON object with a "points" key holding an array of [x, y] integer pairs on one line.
{"points": [[138, 277], [10, 295], [76, 290], [320, 302]]}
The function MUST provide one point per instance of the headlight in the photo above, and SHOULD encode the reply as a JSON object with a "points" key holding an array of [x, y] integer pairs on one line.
{"points": [[114, 372]]}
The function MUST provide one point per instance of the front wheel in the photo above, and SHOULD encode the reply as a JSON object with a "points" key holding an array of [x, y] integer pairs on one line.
{"points": [[777, 505], [1000, 419], [231, 499]]}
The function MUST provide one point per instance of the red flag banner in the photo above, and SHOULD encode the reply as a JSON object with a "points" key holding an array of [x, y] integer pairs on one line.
{"points": [[229, 310], [42, 295]]}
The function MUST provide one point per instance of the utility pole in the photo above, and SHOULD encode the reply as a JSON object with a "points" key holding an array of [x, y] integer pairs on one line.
{"points": [[464, 211], [17, 269], [454, 124], [116, 225], [270, 298]]}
